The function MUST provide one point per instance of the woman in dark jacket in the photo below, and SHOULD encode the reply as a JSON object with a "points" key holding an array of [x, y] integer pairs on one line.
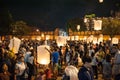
{"points": [[5, 75]]}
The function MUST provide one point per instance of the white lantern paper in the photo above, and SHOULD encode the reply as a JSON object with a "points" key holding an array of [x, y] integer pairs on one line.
{"points": [[97, 24], [115, 40], [90, 39], [78, 27], [14, 44], [61, 40], [100, 1], [85, 20], [43, 56]]}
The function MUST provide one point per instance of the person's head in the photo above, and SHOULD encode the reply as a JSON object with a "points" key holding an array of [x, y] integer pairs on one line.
{"points": [[72, 72], [4, 67], [2, 51], [107, 51], [87, 61], [21, 59]]}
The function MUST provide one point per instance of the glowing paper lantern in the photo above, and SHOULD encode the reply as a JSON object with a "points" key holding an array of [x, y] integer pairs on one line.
{"points": [[14, 44], [85, 20], [61, 40], [97, 24], [78, 27], [43, 56], [115, 40], [100, 1]]}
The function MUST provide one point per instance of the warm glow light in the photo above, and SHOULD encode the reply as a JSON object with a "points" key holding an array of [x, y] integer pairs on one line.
{"points": [[90, 39], [100, 39], [115, 40], [85, 38], [37, 30], [14, 44], [85, 20], [42, 35], [43, 56], [97, 24], [43, 61], [47, 37], [95, 40], [76, 37], [38, 38], [72, 38], [61, 40], [68, 38], [101, 1], [22, 39], [78, 27]]}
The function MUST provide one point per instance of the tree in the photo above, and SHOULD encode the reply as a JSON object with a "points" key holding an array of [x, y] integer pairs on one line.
{"points": [[5, 19], [20, 28], [111, 26], [72, 23]]}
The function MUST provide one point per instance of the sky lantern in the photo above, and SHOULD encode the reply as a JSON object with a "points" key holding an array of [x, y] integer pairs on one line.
{"points": [[61, 40], [115, 40], [43, 56], [97, 24], [78, 27], [14, 44], [100, 1]]}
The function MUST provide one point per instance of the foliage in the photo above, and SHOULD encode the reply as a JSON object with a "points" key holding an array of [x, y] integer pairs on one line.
{"points": [[5, 21], [72, 23], [20, 28], [111, 26]]}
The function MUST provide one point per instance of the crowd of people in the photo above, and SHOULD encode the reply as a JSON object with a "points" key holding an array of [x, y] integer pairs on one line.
{"points": [[76, 60]]}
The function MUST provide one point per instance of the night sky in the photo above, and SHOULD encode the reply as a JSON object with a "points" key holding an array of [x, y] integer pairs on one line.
{"points": [[55, 13]]}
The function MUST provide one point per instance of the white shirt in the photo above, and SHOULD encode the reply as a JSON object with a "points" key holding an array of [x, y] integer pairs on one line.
{"points": [[20, 67], [30, 59]]}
